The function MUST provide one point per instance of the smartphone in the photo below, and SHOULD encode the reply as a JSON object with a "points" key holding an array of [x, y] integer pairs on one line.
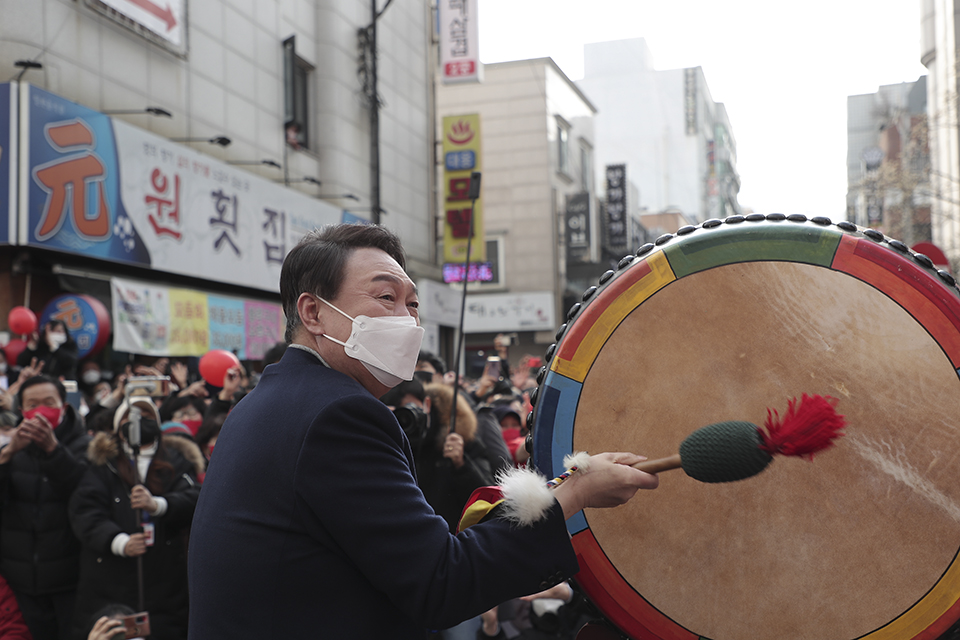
{"points": [[492, 367], [137, 625], [425, 377], [73, 393], [153, 386]]}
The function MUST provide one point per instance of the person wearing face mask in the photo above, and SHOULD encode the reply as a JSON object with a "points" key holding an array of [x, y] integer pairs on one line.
{"points": [[161, 483], [55, 348], [336, 538], [40, 468]]}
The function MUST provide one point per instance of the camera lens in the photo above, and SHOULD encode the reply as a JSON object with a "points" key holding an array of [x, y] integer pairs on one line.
{"points": [[405, 417]]}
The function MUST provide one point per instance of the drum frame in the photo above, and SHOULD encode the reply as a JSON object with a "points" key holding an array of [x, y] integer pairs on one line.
{"points": [[908, 278]]}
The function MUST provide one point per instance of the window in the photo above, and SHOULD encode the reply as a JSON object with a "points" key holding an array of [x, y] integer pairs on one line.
{"points": [[586, 167], [296, 74], [563, 146]]}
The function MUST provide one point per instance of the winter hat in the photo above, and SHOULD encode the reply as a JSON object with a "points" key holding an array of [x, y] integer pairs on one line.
{"points": [[176, 428], [147, 410], [504, 410]]}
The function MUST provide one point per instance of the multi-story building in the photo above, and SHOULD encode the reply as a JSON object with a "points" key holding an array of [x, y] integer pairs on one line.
{"points": [[888, 161], [537, 148], [676, 143], [214, 135], [938, 53]]}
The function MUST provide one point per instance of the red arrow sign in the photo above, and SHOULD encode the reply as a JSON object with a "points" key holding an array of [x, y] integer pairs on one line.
{"points": [[164, 14]]}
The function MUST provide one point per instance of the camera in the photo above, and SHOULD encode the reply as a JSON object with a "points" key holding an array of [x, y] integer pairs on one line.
{"points": [[412, 419]]}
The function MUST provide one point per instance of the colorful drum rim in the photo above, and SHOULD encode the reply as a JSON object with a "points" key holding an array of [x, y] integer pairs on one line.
{"points": [[908, 278]]}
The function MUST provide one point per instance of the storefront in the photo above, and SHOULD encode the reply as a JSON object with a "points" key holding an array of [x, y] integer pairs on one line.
{"points": [[184, 251]]}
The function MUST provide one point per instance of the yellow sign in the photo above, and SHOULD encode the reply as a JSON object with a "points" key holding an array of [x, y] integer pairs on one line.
{"points": [[189, 327], [461, 157]]}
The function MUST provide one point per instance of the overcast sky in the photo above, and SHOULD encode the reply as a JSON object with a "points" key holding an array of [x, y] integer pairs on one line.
{"points": [[783, 72]]}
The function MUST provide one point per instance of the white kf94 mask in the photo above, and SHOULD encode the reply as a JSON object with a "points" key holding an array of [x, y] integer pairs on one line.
{"points": [[388, 346]]}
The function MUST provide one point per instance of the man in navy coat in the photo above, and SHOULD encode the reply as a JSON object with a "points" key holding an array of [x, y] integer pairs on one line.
{"points": [[310, 522]]}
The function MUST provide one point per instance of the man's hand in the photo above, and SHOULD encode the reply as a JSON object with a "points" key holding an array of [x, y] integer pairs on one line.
{"points": [[144, 370], [231, 383], [141, 498], [18, 442], [31, 370], [105, 628], [178, 371], [609, 482], [453, 449], [136, 545], [38, 430], [198, 389], [562, 591]]}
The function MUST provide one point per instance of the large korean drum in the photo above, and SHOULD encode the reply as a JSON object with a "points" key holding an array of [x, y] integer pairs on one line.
{"points": [[719, 322]]}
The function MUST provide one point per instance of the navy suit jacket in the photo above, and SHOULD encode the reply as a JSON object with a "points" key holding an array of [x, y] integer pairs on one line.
{"points": [[310, 524]]}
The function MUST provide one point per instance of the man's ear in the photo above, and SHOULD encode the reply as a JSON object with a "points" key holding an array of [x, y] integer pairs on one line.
{"points": [[309, 309]]}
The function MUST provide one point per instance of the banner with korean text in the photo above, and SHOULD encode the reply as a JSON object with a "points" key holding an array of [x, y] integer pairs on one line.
{"points": [[459, 41], [166, 321], [106, 189], [461, 157]]}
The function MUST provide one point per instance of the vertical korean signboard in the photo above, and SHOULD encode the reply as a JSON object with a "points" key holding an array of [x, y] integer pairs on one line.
{"points": [[577, 219], [106, 189], [616, 213], [459, 41], [461, 156]]}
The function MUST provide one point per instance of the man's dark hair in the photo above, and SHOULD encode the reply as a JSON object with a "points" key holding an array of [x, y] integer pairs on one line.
{"points": [[35, 380], [407, 387], [317, 263], [274, 353], [435, 361], [167, 409]]}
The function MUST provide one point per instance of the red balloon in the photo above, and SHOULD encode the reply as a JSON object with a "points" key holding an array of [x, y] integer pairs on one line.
{"points": [[21, 320], [13, 349], [214, 365]]}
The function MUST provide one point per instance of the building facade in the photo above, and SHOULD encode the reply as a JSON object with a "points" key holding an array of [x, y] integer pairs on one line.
{"points": [[537, 146], [938, 53], [267, 104], [677, 143], [888, 161]]}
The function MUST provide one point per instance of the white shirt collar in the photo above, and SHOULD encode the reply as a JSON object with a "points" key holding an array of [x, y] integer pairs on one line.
{"points": [[304, 347]]}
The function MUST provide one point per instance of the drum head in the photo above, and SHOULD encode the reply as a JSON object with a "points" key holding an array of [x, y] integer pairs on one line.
{"points": [[721, 324]]}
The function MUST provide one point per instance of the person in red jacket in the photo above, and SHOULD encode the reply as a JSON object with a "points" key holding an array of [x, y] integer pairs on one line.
{"points": [[12, 624]]}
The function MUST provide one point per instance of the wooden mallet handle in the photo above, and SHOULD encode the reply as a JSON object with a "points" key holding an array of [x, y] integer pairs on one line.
{"points": [[661, 464]]}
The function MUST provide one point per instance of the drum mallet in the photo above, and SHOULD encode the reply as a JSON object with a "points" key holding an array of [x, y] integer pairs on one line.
{"points": [[729, 451]]}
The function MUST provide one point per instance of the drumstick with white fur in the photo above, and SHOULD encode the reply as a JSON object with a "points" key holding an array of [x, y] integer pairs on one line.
{"points": [[729, 451]]}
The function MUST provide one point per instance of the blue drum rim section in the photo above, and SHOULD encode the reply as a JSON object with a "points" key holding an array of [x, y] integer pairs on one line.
{"points": [[553, 431]]}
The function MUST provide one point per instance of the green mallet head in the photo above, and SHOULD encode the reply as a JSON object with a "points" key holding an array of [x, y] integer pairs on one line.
{"points": [[724, 452]]}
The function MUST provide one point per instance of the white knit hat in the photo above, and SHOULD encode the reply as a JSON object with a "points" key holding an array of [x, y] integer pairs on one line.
{"points": [[147, 409]]}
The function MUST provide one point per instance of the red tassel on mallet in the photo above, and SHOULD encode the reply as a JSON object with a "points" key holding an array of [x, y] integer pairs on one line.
{"points": [[807, 428], [728, 451]]}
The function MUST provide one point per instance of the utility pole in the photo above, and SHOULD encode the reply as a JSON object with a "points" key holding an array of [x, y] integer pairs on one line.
{"points": [[368, 77]]}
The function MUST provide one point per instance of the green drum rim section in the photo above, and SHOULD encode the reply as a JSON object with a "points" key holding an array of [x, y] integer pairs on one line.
{"points": [[752, 242]]}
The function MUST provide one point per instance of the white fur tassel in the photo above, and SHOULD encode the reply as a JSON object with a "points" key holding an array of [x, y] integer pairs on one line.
{"points": [[580, 459], [526, 496]]}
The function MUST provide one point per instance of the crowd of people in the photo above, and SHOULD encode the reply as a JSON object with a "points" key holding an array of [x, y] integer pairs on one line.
{"points": [[94, 520], [94, 513]]}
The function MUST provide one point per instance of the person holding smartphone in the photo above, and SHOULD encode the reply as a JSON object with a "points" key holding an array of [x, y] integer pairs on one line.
{"points": [[136, 505]]}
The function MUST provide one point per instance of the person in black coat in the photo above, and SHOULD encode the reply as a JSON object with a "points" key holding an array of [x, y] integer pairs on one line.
{"points": [[310, 523], [39, 470], [103, 514], [53, 346]]}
